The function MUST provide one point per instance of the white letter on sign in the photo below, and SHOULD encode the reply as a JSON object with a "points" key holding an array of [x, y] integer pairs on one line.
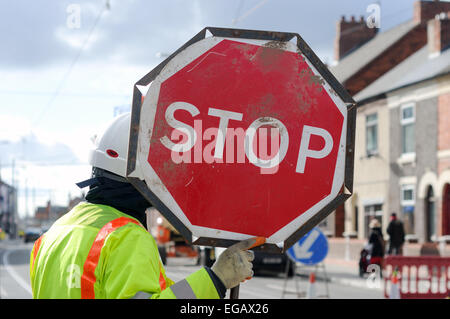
{"points": [[250, 135], [304, 146], [224, 116], [183, 127]]}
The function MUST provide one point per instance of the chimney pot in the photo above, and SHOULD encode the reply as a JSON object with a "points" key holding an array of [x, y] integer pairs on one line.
{"points": [[427, 10], [438, 33], [351, 34]]}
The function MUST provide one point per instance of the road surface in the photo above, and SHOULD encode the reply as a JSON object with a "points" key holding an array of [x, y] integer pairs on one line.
{"points": [[15, 283]]}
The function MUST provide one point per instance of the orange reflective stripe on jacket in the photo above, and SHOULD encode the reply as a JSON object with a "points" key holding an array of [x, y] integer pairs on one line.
{"points": [[36, 246], [96, 251], [88, 278], [162, 280]]}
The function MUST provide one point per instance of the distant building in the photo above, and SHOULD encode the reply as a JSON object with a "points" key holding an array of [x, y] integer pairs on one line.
{"points": [[50, 213], [74, 202], [401, 81], [8, 208]]}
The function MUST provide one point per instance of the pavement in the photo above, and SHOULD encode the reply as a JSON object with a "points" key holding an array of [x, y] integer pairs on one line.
{"points": [[342, 272], [340, 267], [342, 263], [335, 268]]}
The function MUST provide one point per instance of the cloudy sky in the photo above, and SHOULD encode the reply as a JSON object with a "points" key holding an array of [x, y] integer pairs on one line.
{"points": [[65, 65]]}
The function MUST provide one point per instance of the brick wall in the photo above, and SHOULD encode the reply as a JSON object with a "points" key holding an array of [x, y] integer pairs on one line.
{"points": [[339, 221], [399, 51], [439, 34], [444, 122], [426, 10], [350, 35], [445, 32]]}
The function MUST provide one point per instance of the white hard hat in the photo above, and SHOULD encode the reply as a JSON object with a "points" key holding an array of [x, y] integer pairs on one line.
{"points": [[110, 150]]}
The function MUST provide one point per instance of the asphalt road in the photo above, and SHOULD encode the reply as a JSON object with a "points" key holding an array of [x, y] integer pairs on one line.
{"points": [[15, 284], [275, 286], [14, 270]]}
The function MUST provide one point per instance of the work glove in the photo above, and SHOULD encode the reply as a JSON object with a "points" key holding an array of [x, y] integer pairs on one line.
{"points": [[234, 265]]}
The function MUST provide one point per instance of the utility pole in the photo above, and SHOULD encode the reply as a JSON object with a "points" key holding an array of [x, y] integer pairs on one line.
{"points": [[26, 199], [13, 168], [13, 205], [33, 194]]}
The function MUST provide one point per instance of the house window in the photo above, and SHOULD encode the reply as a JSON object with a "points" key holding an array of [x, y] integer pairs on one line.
{"points": [[372, 134], [407, 195], [407, 121], [408, 204]]}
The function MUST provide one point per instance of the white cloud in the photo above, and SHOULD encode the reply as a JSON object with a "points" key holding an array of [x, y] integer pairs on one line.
{"points": [[120, 51], [13, 127], [76, 38], [42, 183]]}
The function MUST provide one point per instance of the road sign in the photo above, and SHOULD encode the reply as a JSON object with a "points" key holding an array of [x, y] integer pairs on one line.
{"points": [[242, 133], [311, 249]]}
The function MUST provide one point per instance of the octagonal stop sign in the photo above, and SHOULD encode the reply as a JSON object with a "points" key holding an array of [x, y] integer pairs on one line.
{"points": [[242, 133]]}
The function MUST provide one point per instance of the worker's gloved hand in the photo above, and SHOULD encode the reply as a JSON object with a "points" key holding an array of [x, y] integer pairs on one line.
{"points": [[234, 265]]}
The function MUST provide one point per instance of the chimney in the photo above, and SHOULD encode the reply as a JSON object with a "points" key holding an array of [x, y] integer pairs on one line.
{"points": [[438, 32], [427, 10], [350, 35]]}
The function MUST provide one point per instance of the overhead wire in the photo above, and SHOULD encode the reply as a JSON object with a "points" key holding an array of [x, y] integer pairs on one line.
{"points": [[248, 12]]}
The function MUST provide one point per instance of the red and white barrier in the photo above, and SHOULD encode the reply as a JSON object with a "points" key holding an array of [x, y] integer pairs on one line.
{"points": [[422, 277]]}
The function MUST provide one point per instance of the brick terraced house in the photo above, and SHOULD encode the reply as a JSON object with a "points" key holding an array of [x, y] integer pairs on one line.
{"points": [[400, 80]]}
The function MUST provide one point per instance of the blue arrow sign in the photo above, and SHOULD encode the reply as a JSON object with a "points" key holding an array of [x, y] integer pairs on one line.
{"points": [[311, 249]]}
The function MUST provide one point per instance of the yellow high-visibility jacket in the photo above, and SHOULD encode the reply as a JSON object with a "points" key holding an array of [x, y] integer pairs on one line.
{"points": [[96, 251]]}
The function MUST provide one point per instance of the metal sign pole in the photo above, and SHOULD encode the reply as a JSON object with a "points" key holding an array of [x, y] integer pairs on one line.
{"points": [[285, 277], [294, 270], [234, 292], [326, 280]]}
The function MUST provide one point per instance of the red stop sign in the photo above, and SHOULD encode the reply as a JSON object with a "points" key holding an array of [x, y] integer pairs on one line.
{"points": [[242, 137]]}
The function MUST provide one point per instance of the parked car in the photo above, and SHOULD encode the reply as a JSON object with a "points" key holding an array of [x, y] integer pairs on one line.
{"points": [[31, 234], [270, 263], [263, 264]]}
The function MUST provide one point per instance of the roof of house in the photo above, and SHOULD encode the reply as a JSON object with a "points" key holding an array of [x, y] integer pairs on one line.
{"points": [[361, 56], [418, 67]]}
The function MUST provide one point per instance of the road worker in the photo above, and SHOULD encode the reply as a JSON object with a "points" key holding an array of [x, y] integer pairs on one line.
{"points": [[102, 249]]}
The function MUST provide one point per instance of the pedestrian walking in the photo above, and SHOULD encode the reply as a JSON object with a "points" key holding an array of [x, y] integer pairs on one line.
{"points": [[396, 234], [102, 249], [376, 243]]}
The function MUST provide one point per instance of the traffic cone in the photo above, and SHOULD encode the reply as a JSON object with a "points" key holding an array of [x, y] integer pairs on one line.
{"points": [[311, 293], [394, 292]]}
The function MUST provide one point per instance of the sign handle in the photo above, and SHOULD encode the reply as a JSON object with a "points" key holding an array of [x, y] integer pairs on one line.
{"points": [[234, 292]]}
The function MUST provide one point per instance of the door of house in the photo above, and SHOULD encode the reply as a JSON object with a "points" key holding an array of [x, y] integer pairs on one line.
{"points": [[446, 210], [430, 214]]}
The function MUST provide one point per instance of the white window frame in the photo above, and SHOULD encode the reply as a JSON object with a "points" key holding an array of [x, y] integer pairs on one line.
{"points": [[408, 202], [408, 120], [370, 124], [371, 212], [409, 155]]}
